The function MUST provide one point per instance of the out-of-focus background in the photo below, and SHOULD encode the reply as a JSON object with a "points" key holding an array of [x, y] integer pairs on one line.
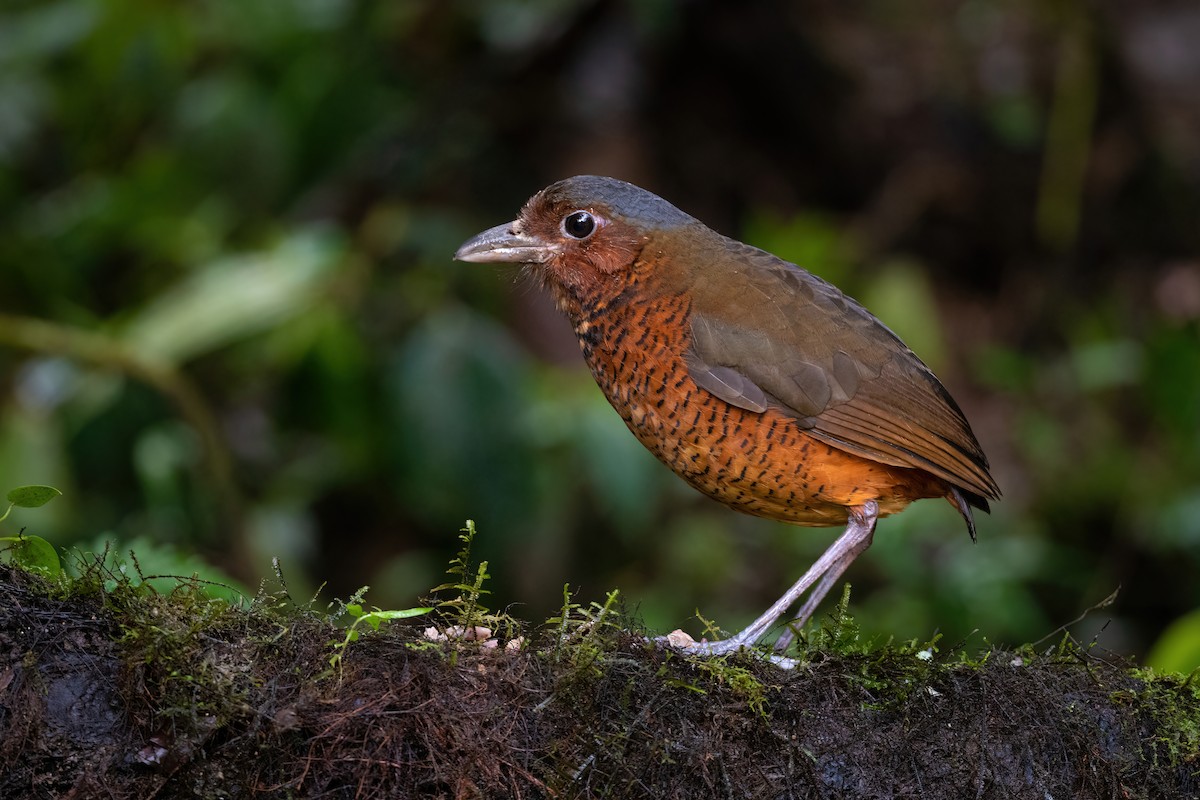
{"points": [[230, 327]]}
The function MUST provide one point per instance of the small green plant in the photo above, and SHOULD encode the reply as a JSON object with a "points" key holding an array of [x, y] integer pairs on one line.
{"points": [[31, 552], [565, 616], [374, 618], [838, 633], [581, 627], [466, 605], [711, 630]]}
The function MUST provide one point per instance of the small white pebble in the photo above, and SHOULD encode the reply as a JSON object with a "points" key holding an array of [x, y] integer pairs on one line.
{"points": [[476, 633], [679, 638]]}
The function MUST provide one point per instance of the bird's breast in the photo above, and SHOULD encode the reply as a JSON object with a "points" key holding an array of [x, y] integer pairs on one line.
{"points": [[760, 463]]}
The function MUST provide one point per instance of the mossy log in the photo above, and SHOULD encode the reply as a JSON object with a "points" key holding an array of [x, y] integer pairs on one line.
{"points": [[128, 693]]}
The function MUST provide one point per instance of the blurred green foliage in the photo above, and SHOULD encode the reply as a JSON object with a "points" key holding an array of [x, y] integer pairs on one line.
{"points": [[229, 322]]}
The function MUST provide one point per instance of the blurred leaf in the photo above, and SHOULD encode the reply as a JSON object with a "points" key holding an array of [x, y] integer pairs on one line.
{"points": [[163, 456], [1040, 435], [1176, 523], [143, 560], [1178, 648], [517, 24], [1172, 386], [1004, 368], [901, 296], [44, 30], [236, 297], [1017, 119], [810, 240], [235, 134], [284, 529], [1101, 365], [568, 417], [23, 100]]}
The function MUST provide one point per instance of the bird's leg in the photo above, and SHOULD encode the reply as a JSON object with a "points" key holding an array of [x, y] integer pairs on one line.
{"points": [[827, 581], [827, 569], [810, 605]]}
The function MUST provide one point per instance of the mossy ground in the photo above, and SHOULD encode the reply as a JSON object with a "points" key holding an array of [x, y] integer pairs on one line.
{"points": [[119, 691]]}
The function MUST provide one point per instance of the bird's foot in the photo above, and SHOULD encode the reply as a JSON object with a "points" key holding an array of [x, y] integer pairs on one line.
{"points": [[684, 643]]}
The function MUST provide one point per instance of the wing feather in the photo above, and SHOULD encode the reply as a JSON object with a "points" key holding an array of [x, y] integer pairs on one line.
{"points": [[820, 356]]}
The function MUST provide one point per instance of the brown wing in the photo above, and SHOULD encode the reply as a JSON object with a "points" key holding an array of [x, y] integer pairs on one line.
{"points": [[775, 335]]}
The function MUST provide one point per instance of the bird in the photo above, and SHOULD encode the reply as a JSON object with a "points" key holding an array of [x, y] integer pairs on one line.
{"points": [[762, 385]]}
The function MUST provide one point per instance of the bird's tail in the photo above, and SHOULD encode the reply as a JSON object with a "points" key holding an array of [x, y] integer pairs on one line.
{"points": [[963, 501]]}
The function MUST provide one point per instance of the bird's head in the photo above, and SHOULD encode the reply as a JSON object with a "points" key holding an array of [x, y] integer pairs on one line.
{"points": [[581, 237]]}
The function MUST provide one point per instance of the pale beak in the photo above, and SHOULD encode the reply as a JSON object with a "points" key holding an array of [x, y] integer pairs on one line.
{"points": [[503, 244]]}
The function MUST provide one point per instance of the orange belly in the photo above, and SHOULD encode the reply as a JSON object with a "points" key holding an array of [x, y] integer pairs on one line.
{"points": [[764, 464]]}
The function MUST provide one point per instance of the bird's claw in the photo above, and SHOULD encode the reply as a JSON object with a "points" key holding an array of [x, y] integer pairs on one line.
{"points": [[683, 642]]}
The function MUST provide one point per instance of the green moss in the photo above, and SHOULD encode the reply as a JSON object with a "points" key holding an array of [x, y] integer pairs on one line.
{"points": [[1171, 704]]}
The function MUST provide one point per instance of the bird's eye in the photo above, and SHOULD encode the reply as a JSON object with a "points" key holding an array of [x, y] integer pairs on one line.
{"points": [[579, 224]]}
